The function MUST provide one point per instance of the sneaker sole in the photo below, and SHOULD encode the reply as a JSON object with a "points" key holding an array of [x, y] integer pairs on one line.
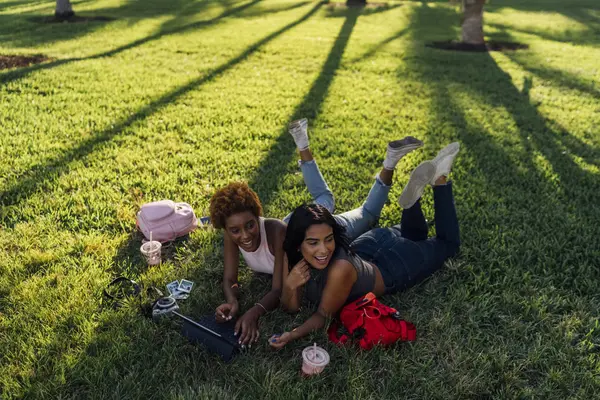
{"points": [[419, 178], [449, 151], [452, 148], [408, 147], [414, 145]]}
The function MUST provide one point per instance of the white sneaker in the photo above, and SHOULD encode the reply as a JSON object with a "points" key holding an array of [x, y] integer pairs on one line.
{"points": [[443, 161], [299, 131], [419, 178]]}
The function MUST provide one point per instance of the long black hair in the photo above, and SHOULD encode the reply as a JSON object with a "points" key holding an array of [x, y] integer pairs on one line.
{"points": [[301, 219]]}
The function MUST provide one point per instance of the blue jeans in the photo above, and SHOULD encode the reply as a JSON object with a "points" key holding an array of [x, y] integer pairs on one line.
{"points": [[357, 221], [403, 253]]}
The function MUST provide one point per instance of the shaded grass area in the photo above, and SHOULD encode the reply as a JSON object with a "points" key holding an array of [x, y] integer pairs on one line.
{"points": [[174, 99], [7, 62]]}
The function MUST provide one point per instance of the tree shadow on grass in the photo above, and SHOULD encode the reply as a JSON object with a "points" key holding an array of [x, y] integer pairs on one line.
{"points": [[562, 203], [23, 72], [272, 9], [172, 27], [580, 38], [127, 354], [526, 216], [578, 11], [129, 261], [336, 10], [563, 78], [42, 176], [34, 29], [17, 3], [380, 45], [569, 143], [534, 63], [274, 165], [26, 30]]}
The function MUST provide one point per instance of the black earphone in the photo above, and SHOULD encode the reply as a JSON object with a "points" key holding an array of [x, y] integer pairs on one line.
{"points": [[134, 290], [116, 300]]}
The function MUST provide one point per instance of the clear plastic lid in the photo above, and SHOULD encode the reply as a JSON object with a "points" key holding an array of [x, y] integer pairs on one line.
{"points": [[315, 356]]}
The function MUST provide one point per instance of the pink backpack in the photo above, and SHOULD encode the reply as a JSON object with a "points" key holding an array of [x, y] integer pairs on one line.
{"points": [[166, 220]]}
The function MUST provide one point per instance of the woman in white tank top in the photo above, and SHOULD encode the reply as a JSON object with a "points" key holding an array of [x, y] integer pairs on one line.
{"points": [[237, 210]]}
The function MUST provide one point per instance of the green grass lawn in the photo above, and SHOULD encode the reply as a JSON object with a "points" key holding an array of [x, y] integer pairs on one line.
{"points": [[174, 98]]}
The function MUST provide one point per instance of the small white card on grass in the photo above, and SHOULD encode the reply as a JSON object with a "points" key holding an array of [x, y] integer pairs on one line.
{"points": [[185, 286], [173, 287]]}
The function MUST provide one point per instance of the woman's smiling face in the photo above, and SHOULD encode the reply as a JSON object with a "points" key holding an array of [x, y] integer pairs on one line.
{"points": [[244, 230], [318, 245]]}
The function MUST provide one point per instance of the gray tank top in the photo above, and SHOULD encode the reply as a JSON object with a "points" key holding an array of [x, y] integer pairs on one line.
{"points": [[364, 284]]}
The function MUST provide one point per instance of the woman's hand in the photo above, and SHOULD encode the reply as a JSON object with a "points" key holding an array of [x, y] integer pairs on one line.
{"points": [[247, 327], [299, 275], [278, 341], [226, 311]]}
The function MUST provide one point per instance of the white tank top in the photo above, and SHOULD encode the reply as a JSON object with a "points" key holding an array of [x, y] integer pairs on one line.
{"points": [[260, 260]]}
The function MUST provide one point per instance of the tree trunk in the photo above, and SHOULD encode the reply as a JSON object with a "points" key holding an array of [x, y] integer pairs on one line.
{"points": [[472, 24], [64, 10]]}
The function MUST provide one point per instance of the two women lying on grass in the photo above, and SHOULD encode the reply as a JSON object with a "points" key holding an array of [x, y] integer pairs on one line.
{"points": [[236, 209]]}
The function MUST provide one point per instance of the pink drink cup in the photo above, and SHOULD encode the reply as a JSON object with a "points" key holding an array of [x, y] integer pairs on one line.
{"points": [[151, 252], [314, 360]]}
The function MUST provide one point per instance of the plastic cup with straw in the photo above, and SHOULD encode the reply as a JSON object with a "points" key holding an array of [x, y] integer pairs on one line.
{"points": [[151, 251], [314, 360]]}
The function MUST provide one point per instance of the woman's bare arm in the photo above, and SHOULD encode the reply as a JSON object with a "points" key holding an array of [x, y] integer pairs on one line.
{"points": [[275, 235], [231, 257], [341, 277]]}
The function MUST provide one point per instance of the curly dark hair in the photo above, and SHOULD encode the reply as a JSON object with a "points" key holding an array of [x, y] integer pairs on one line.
{"points": [[234, 198], [301, 219]]}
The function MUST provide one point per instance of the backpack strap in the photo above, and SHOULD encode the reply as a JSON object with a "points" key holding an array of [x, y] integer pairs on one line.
{"points": [[366, 299], [372, 312], [332, 332]]}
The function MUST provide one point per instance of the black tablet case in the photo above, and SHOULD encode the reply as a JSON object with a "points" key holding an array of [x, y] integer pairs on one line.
{"points": [[216, 337]]}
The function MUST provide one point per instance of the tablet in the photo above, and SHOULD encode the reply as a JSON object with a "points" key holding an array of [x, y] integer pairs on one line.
{"points": [[216, 337]]}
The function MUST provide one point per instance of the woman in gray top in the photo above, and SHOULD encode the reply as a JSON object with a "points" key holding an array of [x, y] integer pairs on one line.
{"points": [[329, 271]]}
